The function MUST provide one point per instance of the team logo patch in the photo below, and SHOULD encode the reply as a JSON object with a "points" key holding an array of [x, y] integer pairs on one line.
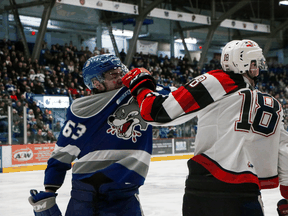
{"points": [[249, 44], [249, 164], [124, 120]]}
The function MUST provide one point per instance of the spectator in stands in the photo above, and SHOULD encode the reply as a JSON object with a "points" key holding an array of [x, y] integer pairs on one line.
{"points": [[39, 121], [57, 127], [39, 138], [18, 94], [172, 132], [28, 94], [63, 92], [17, 131], [3, 106], [37, 111], [13, 75], [163, 131], [39, 88], [40, 75], [122, 55], [22, 99], [46, 115], [30, 116], [2, 89], [73, 90], [10, 86], [32, 74], [51, 89], [19, 46], [50, 138], [30, 136], [19, 107], [13, 96], [16, 117], [71, 67]]}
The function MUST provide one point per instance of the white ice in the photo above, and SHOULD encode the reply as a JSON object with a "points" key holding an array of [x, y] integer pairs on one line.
{"points": [[160, 196]]}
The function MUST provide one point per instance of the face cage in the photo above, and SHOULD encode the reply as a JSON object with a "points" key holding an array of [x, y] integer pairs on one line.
{"points": [[101, 79], [261, 63]]}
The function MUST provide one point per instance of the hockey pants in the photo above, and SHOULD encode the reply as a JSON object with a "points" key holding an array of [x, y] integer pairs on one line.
{"points": [[205, 196], [111, 199], [207, 204]]}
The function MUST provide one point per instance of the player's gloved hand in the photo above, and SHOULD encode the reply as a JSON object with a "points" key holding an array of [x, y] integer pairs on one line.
{"points": [[44, 203], [139, 78], [282, 207]]}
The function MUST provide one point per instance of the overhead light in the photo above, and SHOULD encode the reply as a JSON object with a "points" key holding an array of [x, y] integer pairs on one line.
{"points": [[283, 2], [124, 33], [188, 40]]}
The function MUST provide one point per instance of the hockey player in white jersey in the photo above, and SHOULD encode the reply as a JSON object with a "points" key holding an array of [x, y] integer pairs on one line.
{"points": [[112, 143], [241, 146]]}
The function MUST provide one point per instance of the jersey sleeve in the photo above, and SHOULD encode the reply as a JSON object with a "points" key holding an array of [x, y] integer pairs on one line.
{"points": [[65, 152], [195, 95]]}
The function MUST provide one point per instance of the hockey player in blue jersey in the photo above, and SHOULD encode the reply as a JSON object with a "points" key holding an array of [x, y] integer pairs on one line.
{"points": [[111, 143]]}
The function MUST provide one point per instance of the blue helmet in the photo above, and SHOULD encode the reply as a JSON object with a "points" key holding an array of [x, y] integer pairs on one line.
{"points": [[96, 66]]}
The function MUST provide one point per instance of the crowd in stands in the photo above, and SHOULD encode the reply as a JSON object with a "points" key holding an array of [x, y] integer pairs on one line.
{"points": [[59, 72]]}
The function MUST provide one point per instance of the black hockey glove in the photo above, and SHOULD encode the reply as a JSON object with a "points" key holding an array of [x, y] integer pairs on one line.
{"points": [[282, 207]]}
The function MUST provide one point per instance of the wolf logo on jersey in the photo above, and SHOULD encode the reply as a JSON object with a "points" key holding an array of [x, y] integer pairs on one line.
{"points": [[125, 119]]}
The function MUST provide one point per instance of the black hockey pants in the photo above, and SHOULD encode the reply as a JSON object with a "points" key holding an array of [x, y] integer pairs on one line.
{"points": [[207, 196]]}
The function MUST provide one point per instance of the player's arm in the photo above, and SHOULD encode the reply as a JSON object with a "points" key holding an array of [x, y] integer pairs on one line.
{"points": [[282, 205], [58, 164], [189, 98]]}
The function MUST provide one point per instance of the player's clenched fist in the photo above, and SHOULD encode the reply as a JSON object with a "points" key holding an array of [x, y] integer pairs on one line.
{"points": [[139, 78]]}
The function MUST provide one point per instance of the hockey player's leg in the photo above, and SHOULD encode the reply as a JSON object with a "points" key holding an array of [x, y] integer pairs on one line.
{"points": [[83, 200], [119, 200], [203, 203]]}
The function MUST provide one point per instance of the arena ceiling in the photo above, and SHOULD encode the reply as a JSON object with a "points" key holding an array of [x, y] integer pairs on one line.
{"points": [[261, 12]]}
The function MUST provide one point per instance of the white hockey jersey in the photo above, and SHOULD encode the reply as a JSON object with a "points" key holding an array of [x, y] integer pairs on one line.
{"points": [[240, 137]]}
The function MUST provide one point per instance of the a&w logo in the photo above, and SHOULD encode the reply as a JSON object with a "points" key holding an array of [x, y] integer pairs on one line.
{"points": [[124, 120], [40, 207]]}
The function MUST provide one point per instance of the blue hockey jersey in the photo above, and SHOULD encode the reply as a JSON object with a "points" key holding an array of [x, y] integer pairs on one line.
{"points": [[106, 134]]}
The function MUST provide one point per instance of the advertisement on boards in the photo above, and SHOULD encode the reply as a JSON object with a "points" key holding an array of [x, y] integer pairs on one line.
{"points": [[31, 153]]}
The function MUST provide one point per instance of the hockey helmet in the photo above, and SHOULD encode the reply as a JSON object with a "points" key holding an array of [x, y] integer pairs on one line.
{"points": [[96, 66], [237, 56]]}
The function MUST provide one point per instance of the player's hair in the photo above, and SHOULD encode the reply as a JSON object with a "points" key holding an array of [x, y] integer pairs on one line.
{"points": [[237, 56], [96, 66]]}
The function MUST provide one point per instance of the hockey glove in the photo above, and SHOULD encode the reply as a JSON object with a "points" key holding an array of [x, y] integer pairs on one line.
{"points": [[139, 78], [282, 207], [44, 203]]}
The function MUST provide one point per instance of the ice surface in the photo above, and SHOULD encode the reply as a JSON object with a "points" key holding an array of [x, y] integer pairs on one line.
{"points": [[161, 195]]}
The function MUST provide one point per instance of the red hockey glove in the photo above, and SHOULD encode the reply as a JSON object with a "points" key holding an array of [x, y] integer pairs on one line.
{"points": [[139, 78], [282, 207]]}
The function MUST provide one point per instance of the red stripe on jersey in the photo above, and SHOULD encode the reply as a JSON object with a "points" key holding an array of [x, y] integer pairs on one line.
{"points": [[185, 99], [269, 183], [284, 191], [223, 175], [146, 106], [225, 80]]}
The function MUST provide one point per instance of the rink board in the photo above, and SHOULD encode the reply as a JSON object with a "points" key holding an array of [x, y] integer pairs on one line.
{"points": [[35, 167]]}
